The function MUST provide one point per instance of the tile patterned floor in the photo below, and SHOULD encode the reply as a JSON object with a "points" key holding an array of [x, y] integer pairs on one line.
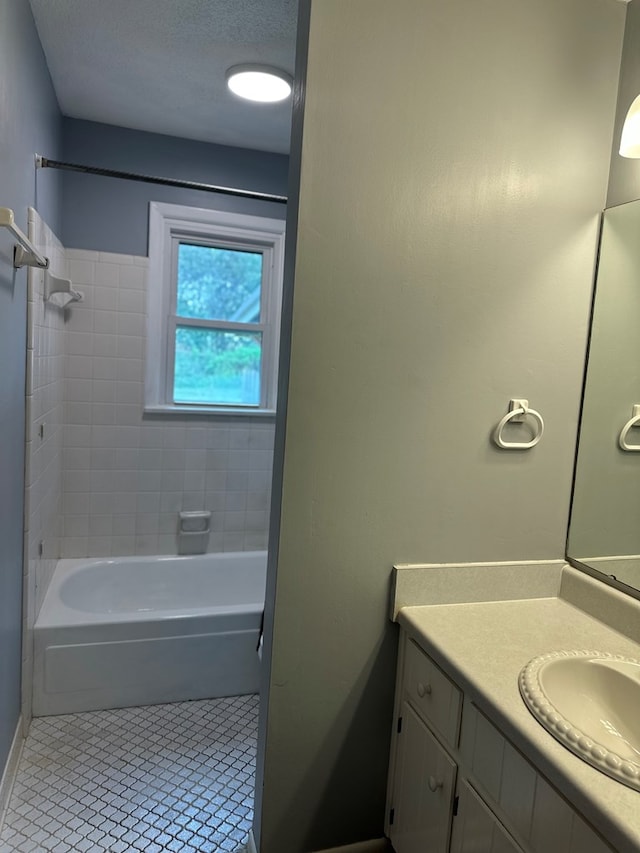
{"points": [[176, 778]]}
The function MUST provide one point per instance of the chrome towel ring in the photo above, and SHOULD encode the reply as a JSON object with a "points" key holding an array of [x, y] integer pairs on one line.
{"points": [[518, 412]]}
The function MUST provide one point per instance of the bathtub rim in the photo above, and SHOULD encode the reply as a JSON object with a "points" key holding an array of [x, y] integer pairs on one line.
{"points": [[54, 613]]}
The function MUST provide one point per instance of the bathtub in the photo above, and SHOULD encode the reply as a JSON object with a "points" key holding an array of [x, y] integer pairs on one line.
{"points": [[113, 633]]}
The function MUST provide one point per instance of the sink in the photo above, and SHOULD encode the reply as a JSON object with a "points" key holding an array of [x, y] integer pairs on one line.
{"points": [[590, 702]]}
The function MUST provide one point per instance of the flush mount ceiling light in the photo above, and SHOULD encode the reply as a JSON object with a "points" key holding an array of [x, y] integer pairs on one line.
{"points": [[259, 83], [630, 139]]}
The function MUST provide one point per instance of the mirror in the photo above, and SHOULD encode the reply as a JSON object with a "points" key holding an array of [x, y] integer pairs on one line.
{"points": [[604, 534]]}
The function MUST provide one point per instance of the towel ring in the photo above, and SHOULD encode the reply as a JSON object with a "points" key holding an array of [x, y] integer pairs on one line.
{"points": [[518, 411], [634, 420]]}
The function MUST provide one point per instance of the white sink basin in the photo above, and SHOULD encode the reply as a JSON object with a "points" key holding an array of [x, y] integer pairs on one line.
{"points": [[590, 702]]}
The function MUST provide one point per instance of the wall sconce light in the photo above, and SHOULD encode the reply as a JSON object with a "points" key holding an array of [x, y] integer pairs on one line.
{"points": [[259, 83], [630, 139]]}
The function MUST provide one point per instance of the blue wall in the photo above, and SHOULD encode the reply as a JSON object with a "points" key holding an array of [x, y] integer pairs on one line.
{"points": [[110, 214], [29, 122]]}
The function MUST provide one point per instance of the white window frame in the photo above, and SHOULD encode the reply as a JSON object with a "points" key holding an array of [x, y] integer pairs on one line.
{"points": [[170, 224]]}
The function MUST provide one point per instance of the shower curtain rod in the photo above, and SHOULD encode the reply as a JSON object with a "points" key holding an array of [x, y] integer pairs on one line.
{"points": [[46, 163]]}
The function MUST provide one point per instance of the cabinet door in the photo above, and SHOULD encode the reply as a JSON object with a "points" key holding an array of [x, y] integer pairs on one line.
{"points": [[476, 829], [423, 790]]}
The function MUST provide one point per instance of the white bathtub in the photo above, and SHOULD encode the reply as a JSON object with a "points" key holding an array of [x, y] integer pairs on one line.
{"points": [[113, 633]]}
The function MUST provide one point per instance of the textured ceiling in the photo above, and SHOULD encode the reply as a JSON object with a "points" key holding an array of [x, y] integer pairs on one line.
{"points": [[159, 65]]}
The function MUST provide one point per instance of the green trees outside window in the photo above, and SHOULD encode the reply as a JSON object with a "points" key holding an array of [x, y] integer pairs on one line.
{"points": [[218, 357]]}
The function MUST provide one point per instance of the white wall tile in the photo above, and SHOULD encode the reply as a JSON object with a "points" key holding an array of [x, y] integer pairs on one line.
{"points": [[148, 502], [167, 543], [99, 546], [172, 481], [100, 525], [104, 367], [81, 271], [74, 546], [102, 414], [78, 367], [147, 523], [235, 501], [174, 460], [216, 481], [232, 542], [128, 392], [76, 525], [131, 301], [194, 481], [81, 255], [123, 546], [103, 391], [150, 459], [132, 276], [152, 437], [143, 471], [237, 481], [127, 458], [115, 258], [101, 503], [146, 545], [105, 298], [80, 319], [239, 438], [218, 438], [192, 501], [106, 275], [171, 502], [129, 346], [105, 345], [105, 322], [130, 370], [79, 343], [130, 324]]}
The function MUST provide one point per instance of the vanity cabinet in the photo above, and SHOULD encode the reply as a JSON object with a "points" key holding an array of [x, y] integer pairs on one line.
{"points": [[424, 789], [457, 785]]}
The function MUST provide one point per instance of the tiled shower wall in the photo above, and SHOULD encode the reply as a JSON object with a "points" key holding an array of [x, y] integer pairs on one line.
{"points": [[44, 431], [126, 476]]}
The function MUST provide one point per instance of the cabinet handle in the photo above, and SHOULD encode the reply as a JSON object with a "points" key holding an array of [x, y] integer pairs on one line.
{"points": [[434, 783], [424, 689]]}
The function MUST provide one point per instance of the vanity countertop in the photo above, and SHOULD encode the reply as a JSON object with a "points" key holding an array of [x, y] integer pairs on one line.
{"points": [[484, 645]]}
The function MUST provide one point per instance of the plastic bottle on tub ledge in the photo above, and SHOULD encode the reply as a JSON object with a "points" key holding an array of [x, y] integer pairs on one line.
{"points": [[193, 532]]}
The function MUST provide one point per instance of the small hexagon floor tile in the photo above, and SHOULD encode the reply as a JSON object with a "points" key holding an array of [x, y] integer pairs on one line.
{"points": [[160, 779]]}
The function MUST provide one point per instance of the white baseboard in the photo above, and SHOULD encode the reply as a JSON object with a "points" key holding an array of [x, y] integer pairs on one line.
{"points": [[376, 845], [9, 774]]}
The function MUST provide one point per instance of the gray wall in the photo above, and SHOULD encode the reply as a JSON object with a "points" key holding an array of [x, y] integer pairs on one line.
{"points": [[624, 178], [111, 215], [454, 161], [29, 123]]}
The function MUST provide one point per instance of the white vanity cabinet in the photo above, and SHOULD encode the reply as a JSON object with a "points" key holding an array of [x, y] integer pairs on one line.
{"points": [[422, 790], [457, 785]]}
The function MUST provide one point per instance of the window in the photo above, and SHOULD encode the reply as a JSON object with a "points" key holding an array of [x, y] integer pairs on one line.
{"points": [[215, 282]]}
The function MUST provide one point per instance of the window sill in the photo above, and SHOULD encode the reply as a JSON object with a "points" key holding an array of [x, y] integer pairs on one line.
{"points": [[197, 411]]}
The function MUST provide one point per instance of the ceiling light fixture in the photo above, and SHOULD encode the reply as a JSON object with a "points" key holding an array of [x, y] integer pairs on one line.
{"points": [[259, 83], [630, 139]]}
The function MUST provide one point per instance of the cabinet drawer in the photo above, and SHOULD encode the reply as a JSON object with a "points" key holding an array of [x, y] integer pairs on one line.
{"points": [[432, 694]]}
